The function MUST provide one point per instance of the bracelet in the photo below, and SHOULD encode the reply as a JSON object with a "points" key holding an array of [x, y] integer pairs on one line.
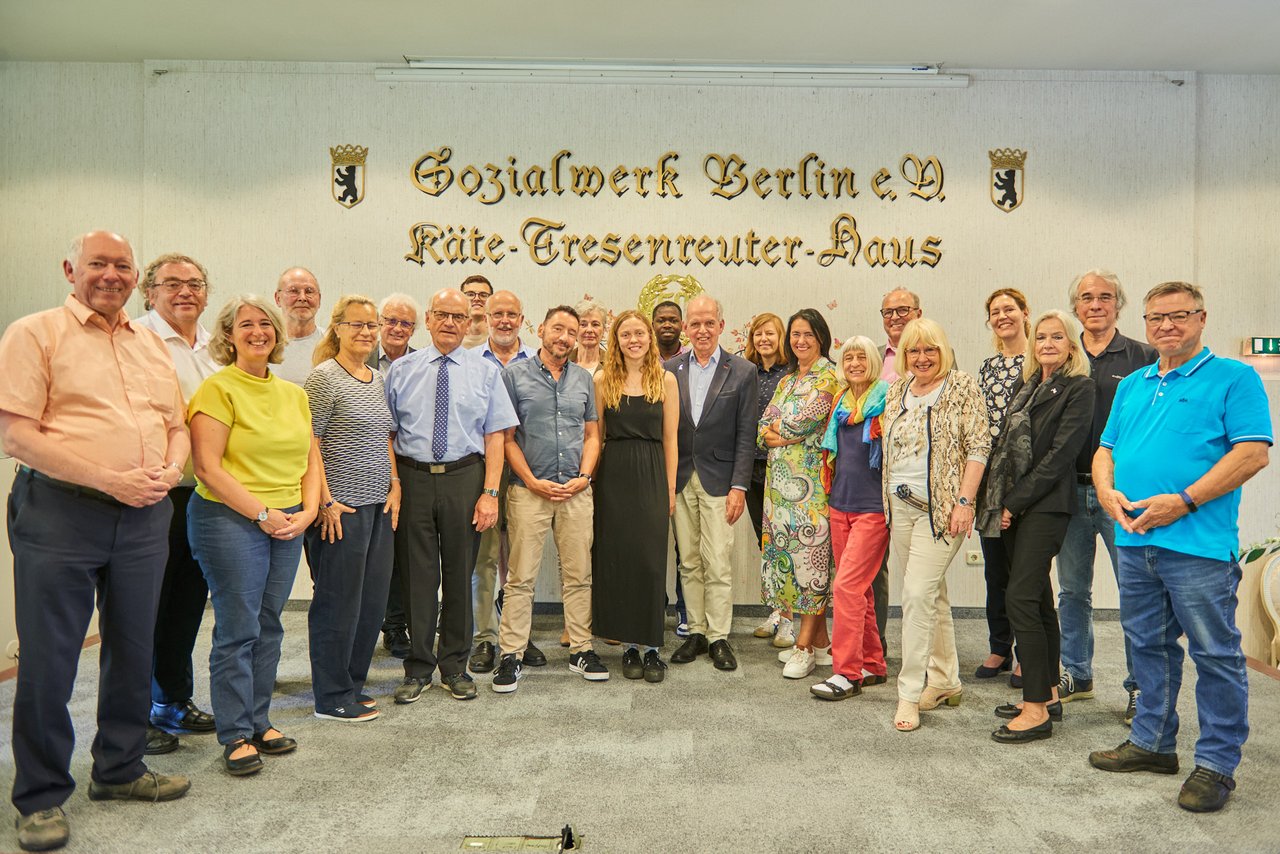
{"points": [[395, 480], [328, 504]]}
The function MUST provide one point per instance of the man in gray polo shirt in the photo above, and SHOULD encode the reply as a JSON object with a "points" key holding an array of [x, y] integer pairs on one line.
{"points": [[552, 455]]}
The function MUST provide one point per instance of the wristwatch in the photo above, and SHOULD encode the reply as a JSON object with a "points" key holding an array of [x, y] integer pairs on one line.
{"points": [[964, 502], [1191, 505], [587, 476], [262, 514], [492, 492]]}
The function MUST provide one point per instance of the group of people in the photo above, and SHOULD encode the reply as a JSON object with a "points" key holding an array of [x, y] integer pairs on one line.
{"points": [[423, 484]]}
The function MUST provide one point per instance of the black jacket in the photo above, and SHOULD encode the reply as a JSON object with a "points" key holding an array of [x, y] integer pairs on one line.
{"points": [[1061, 413]]}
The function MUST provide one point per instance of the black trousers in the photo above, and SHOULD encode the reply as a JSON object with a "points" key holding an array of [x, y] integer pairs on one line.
{"points": [[435, 547], [183, 595], [996, 570], [755, 498], [393, 616], [67, 550], [1032, 541], [880, 593]]}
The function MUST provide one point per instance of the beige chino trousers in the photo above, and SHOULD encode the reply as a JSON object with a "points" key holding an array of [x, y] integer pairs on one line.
{"points": [[706, 567]]}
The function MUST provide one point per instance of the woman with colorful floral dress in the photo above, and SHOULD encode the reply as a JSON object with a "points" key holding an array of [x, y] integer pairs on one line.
{"points": [[796, 544]]}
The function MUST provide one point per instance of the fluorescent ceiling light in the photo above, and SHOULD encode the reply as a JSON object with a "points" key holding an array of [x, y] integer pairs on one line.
{"points": [[667, 74]]}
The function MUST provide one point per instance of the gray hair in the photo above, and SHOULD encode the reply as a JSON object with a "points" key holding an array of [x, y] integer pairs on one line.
{"points": [[706, 296], [915, 297], [863, 344], [1107, 276], [77, 246], [398, 298], [1164, 289], [590, 306]]}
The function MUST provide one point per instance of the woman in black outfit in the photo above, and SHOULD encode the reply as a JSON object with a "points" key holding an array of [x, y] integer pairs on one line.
{"points": [[1030, 497]]}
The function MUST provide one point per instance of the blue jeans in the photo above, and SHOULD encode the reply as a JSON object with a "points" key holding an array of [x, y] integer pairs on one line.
{"points": [[1164, 594], [352, 576], [250, 576], [1075, 585]]}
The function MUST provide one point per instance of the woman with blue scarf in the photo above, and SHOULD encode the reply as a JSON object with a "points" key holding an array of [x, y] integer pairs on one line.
{"points": [[859, 535]]}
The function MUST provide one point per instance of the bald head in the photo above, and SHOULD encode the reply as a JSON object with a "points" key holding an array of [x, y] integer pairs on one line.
{"points": [[298, 295]]}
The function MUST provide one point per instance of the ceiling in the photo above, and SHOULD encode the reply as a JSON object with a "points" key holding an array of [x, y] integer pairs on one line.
{"points": [[1234, 36]]}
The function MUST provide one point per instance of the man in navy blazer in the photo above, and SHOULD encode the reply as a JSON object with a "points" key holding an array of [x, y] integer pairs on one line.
{"points": [[717, 438]]}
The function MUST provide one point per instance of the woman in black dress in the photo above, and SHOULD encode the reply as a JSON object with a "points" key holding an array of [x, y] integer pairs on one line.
{"points": [[635, 495]]}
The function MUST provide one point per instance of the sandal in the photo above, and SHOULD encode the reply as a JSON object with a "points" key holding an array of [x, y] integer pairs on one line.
{"points": [[907, 718], [831, 690], [931, 698], [245, 765]]}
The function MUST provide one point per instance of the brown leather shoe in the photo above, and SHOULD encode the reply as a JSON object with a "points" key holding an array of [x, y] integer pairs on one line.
{"points": [[1129, 757]]}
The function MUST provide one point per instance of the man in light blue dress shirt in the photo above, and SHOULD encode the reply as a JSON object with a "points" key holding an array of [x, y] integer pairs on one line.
{"points": [[449, 409]]}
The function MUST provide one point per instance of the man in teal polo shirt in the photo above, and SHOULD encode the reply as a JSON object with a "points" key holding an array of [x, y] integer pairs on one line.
{"points": [[1183, 436]]}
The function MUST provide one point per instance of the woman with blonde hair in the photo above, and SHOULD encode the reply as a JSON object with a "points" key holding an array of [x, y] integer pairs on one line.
{"points": [[767, 349], [859, 537], [1000, 377], [257, 491], [350, 550], [936, 442], [1029, 500], [635, 494]]}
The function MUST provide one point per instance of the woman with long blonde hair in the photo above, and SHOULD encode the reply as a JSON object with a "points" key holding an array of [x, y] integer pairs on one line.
{"points": [[635, 495]]}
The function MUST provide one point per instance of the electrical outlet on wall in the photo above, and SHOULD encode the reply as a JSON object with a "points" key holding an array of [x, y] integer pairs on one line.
{"points": [[11, 651], [973, 558]]}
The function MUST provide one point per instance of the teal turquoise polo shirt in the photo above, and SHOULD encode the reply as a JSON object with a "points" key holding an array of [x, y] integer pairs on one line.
{"points": [[1165, 432]]}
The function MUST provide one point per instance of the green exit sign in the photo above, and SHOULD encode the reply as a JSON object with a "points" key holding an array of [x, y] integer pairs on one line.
{"points": [[1259, 346]]}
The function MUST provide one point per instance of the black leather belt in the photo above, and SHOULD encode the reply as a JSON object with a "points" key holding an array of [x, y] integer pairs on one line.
{"points": [[439, 468], [73, 488], [1084, 479]]}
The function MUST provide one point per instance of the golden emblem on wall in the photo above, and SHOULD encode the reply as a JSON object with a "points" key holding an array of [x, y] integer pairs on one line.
{"points": [[1007, 177], [677, 289], [346, 175]]}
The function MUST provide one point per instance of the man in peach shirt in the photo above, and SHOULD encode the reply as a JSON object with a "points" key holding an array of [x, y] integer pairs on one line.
{"points": [[90, 407]]}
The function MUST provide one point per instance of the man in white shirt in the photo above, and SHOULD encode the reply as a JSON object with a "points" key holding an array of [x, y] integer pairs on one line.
{"points": [[176, 289], [298, 295]]}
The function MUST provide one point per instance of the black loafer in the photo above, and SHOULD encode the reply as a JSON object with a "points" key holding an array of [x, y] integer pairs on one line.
{"points": [[694, 645], [274, 746], [534, 657], [483, 657], [722, 656], [1004, 735], [245, 765], [185, 716], [1011, 711], [159, 741]]}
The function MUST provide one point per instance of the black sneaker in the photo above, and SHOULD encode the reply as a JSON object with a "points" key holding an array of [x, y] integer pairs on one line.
{"points": [[655, 669], [589, 665], [410, 690], [507, 678], [348, 714], [631, 666], [1205, 791], [1130, 757], [1069, 689], [460, 685], [396, 641], [1131, 710]]}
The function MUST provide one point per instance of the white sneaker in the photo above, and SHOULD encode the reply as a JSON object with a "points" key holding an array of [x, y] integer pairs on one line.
{"points": [[785, 635], [769, 627], [821, 655], [799, 665]]}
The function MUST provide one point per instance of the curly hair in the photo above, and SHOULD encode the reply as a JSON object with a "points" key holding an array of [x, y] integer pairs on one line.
{"points": [[613, 373], [222, 351]]}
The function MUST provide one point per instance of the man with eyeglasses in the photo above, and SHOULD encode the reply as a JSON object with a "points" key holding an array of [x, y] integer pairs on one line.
{"points": [[1096, 298], [505, 317], [91, 406], [449, 410], [298, 295], [399, 316], [1184, 435], [176, 289], [477, 289]]}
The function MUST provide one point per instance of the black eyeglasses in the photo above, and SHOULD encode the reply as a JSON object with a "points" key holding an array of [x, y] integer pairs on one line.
{"points": [[399, 324], [172, 286], [1177, 318], [357, 325], [900, 311]]}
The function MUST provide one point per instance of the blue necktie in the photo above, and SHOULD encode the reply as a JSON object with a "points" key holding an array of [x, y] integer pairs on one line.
{"points": [[440, 433]]}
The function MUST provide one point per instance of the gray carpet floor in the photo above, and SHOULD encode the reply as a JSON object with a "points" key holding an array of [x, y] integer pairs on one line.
{"points": [[705, 762]]}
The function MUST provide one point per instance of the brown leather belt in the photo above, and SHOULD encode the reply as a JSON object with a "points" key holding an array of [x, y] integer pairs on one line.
{"points": [[73, 488], [439, 468]]}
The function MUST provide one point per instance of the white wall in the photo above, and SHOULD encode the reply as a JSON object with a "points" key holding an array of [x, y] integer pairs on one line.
{"points": [[229, 162]]}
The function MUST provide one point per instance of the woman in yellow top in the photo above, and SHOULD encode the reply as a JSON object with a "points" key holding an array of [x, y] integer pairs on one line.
{"points": [[257, 490]]}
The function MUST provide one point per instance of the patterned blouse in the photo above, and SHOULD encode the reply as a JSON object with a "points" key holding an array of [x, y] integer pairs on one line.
{"points": [[1000, 376]]}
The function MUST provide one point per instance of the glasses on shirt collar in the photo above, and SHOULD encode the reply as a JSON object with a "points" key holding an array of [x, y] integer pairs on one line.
{"points": [[172, 286]]}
